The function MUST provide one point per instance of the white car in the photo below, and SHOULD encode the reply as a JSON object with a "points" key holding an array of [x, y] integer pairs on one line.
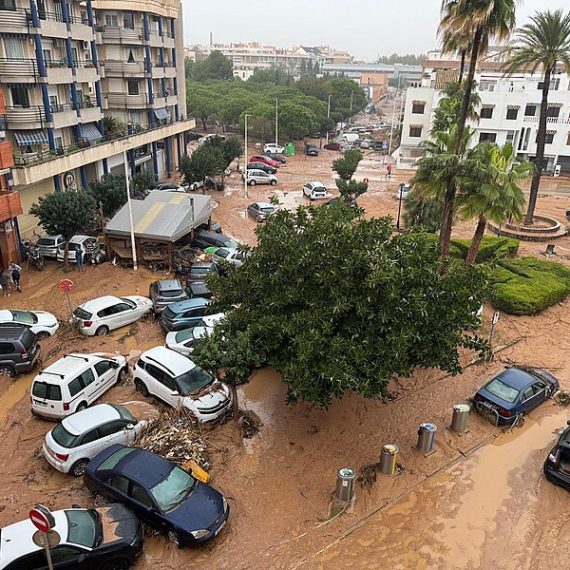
{"points": [[178, 382], [169, 187], [403, 191], [233, 256], [273, 148], [182, 341], [40, 323], [70, 445], [206, 138], [87, 244], [315, 190], [104, 314]]}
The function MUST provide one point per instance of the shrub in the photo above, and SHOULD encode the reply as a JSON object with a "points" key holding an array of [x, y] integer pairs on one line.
{"points": [[491, 248]]}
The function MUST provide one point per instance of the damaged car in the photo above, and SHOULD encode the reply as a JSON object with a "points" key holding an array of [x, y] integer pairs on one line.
{"points": [[557, 464]]}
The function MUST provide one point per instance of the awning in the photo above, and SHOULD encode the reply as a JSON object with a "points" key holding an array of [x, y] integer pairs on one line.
{"points": [[161, 114], [30, 138], [90, 132]]}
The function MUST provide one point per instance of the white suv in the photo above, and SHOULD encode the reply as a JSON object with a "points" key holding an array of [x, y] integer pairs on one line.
{"points": [[74, 382], [315, 190], [273, 148], [178, 382]]}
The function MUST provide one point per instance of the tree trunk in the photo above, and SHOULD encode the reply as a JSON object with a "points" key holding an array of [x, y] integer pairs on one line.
{"points": [[540, 144], [462, 67], [447, 220], [476, 242], [235, 401], [204, 122]]}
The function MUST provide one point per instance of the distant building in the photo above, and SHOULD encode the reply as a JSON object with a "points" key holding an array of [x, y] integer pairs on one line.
{"points": [[408, 73], [375, 84]]}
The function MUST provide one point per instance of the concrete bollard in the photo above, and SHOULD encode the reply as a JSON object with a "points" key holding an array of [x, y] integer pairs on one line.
{"points": [[389, 460], [345, 484], [460, 418], [426, 437]]}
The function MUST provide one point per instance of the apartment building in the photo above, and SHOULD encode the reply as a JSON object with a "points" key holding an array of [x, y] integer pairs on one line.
{"points": [[510, 109], [86, 81]]}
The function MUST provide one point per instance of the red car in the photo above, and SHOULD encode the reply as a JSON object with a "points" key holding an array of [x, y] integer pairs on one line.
{"points": [[333, 146], [265, 160]]}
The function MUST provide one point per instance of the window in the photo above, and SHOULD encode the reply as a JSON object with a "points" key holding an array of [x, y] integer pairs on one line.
{"points": [[155, 372], [415, 132], [14, 48], [111, 21], [418, 107], [169, 382], [487, 85], [7, 4], [87, 377], [102, 367], [538, 387], [121, 308], [554, 84], [568, 139], [64, 554], [548, 137], [528, 393], [111, 428], [131, 58], [89, 437], [553, 112], [119, 483], [133, 86], [510, 136], [20, 97], [141, 496], [512, 114], [6, 348], [47, 56], [492, 137], [75, 387], [129, 21], [530, 111], [487, 113], [46, 391]]}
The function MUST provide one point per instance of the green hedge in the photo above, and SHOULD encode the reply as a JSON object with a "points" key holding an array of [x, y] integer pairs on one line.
{"points": [[528, 285], [491, 248]]}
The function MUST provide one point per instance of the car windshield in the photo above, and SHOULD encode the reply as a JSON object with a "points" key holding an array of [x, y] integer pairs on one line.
{"points": [[46, 241], [502, 390], [198, 271], [267, 209], [82, 314], [130, 303], [24, 317], [222, 252], [84, 528], [171, 293], [193, 380], [74, 246], [64, 438], [124, 413], [319, 189], [230, 243], [170, 492]]}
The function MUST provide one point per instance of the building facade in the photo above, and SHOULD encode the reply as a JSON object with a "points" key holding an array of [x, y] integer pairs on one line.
{"points": [[86, 81]]}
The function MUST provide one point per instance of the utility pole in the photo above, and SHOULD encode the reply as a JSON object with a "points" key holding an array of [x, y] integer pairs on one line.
{"points": [[328, 116], [276, 122], [133, 242], [393, 115], [245, 160]]}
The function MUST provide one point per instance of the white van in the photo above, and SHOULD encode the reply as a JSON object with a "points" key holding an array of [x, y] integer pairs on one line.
{"points": [[74, 382], [349, 137]]}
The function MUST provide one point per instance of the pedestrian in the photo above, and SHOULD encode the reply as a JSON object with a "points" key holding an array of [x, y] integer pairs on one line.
{"points": [[16, 273], [389, 170], [79, 259], [4, 284]]}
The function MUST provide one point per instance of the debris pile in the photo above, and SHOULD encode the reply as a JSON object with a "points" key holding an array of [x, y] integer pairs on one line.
{"points": [[367, 475], [176, 438], [249, 423], [562, 398]]}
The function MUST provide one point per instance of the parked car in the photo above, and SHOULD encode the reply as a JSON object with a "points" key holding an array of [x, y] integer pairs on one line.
{"points": [[183, 314], [261, 166], [260, 177], [104, 314], [514, 392], [88, 245], [74, 382], [266, 160], [273, 148], [163, 495], [366, 144], [20, 350], [259, 211], [204, 239], [212, 226], [178, 382], [169, 187], [206, 138], [71, 444], [198, 290], [211, 184], [200, 270], [192, 136], [182, 341], [41, 323], [311, 150], [48, 245], [233, 256], [104, 538], [403, 191], [315, 190], [332, 146], [557, 464], [279, 158], [164, 292]]}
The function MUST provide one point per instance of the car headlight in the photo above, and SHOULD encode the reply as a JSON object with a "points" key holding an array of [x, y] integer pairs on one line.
{"points": [[197, 534]]}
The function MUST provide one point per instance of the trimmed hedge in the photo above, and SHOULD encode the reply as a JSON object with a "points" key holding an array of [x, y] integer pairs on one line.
{"points": [[491, 248], [528, 285]]}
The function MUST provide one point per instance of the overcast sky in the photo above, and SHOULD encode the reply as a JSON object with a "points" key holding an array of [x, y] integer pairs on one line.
{"points": [[366, 28]]}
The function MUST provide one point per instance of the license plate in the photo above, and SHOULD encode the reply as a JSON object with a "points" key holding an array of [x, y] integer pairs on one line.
{"points": [[40, 403]]}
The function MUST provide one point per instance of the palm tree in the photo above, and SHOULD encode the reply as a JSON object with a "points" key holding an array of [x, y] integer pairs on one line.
{"points": [[492, 192], [484, 20], [455, 43], [447, 112], [543, 43]]}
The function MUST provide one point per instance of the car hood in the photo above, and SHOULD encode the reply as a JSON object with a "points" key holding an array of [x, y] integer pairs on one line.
{"points": [[201, 509], [495, 399], [209, 397], [119, 523], [45, 319]]}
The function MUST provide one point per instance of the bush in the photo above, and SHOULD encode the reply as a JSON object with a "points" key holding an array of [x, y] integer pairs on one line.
{"points": [[528, 285], [491, 248]]}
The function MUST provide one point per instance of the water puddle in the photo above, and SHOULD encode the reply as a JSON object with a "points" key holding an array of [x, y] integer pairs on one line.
{"points": [[18, 389], [261, 393]]}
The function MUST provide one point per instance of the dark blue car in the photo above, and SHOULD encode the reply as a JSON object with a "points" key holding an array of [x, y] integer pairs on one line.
{"points": [[162, 494], [514, 392], [183, 314]]}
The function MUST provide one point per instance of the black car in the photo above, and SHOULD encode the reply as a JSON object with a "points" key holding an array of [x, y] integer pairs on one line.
{"points": [[311, 150], [262, 166], [198, 289], [204, 239], [164, 292], [192, 136], [199, 270], [162, 494], [19, 349], [106, 538], [557, 464], [276, 157]]}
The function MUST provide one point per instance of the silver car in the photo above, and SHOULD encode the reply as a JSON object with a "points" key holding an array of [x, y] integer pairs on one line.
{"points": [[260, 210], [255, 176], [48, 245]]}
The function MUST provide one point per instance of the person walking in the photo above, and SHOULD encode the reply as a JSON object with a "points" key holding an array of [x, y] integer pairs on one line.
{"points": [[389, 169], [79, 259], [4, 284], [16, 274]]}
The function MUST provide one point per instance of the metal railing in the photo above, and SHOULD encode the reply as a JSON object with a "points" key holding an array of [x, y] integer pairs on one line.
{"points": [[11, 20], [18, 117], [61, 108], [12, 66]]}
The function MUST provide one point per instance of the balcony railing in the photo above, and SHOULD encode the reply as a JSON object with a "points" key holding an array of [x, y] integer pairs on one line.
{"points": [[11, 67], [118, 33], [20, 117], [122, 100], [549, 120], [15, 20], [124, 67]]}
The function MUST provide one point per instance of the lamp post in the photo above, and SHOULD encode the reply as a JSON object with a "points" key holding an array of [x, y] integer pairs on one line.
{"points": [[132, 227], [393, 113], [245, 159], [276, 122], [328, 116]]}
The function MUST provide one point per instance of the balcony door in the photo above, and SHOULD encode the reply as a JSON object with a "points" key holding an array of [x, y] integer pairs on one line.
{"points": [[14, 48]]}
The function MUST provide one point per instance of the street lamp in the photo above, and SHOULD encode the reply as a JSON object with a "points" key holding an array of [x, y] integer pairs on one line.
{"points": [[328, 117], [132, 227], [276, 122], [245, 160]]}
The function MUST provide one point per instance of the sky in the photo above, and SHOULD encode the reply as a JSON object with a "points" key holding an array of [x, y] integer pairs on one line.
{"points": [[365, 28]]}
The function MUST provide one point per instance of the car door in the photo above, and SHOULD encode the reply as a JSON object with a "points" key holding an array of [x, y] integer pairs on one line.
{"points": [[123, 314], [253, 209], [117, 487], [106, 372], [156, 384], [144, 506], [193, 316], [93, 387], [90, 445], [113, 432], [536, 394], [170, 391]]}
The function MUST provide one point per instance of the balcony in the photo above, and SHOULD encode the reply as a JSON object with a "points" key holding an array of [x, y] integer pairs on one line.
{"points": [[124, 101], [82, 31], [53, 24], [86, 72], [549, 120], [114, 68], [165, 101], [58, 72], [15, 21], [18, 70], [6, 156], [117, 35], [18, 118], [91, 114], [63, 116]]}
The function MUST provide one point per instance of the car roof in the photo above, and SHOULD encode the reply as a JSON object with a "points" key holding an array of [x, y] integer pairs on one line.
{"points": [[169, 284], [100, 303], [316, 183], [264, 205], [79, 238], [59, 371], [515, 377], [181, 306], [256, 171], [6, 315], [90, 418], [174, 361], [203, 264]]}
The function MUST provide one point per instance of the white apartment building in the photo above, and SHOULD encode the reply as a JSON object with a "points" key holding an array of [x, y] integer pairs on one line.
{"points": [[510, 108], [86, 80]]}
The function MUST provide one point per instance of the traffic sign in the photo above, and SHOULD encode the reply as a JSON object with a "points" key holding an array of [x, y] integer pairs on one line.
{"points": [[66, 285], [41, 518]]}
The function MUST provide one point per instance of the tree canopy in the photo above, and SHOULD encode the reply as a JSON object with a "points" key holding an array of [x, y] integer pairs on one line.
{"points": [[206, 160], [215, 66], [336, 302], [110, 193]]}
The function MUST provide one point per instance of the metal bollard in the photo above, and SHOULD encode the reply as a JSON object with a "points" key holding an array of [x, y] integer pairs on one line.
{"points": [[460, 418], [345, 484], [426, 437], [389, 460]]}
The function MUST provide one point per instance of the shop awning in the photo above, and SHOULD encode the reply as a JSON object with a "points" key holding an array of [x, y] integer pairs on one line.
{"points": [[30, 138], [90, 132], [161, 114]]}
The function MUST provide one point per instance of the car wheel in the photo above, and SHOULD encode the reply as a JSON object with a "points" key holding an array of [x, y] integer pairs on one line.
{"points": [[78, 468], [82, 406], [174, 538], [122, 374], [42, 335], [7, 371], [102, 331], [115, 564], [273, 182], [141, 387], [252, 182]]}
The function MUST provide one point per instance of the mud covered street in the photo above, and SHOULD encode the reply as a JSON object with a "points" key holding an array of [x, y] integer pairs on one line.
{"points": [[479, 501]]}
